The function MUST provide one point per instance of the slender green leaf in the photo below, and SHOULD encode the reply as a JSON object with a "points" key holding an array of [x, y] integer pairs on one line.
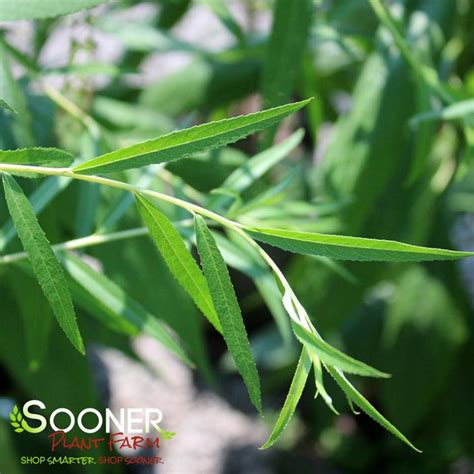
{"points": [[39, 199], [124, 115], [332, 356], [351, 248], [256, 167], [36, 314], [178, 258], [106, 301], [30, 9], [187, 142], [222, 11], [458, 110], [49, 157], [205, 84], [319, 382], [13, 94], [5, 106], [358, 399], [285, 49], [141, 36], [228, 310], [44, 263], [296, 389], [172, 12], [284, 54], [240, 255]]}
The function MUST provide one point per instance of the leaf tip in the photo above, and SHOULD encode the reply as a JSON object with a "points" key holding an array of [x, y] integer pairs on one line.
{"points": [[266, 445]]}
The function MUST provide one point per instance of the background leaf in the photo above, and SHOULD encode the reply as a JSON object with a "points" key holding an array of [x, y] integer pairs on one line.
{"points": [[30, 9], [5, 106], [285, 50], [108, 302]]}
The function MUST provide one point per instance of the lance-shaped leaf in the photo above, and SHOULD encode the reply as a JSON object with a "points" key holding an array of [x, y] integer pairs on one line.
{"points": [[296, 389], [4, 105], [44, 262], [36, 314], [228, 310], [458, 110], [14, 95], [254, 168], [49, 157], [285, 49], [331, 356], [178, 258], [351, 248], [30, 9], [109, 303], [223, 12], [358, 399], [319, 382], [39, 199], [187, 142]]}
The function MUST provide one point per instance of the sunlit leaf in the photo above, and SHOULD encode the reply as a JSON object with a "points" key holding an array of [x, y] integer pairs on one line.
{"points": [[332, 356], [48, 157], [187, 142], [180, 262], [30, 9], [351, 248], [296, 389]]}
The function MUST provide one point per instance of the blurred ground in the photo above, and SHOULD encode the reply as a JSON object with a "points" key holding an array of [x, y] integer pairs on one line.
{"points": [[212, 436]]}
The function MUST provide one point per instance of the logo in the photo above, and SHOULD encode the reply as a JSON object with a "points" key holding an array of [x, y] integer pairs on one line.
{"points": [[18, 422], [141, 425], [89, 420]]}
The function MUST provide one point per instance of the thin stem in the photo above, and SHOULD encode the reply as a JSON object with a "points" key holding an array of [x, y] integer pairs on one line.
{"points": [[67, 172], [89, 241], [57, 97], [302, 317], [190, 207], [187, 190]]}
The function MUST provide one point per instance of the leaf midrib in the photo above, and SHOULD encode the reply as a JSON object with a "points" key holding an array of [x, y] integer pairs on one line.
{"points": [[406, 248]]}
